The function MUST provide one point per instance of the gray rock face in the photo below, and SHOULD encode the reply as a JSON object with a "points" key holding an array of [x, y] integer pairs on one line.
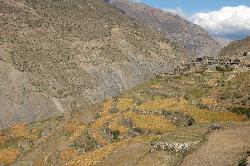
{"points": [[57, 56], [187, 35]]}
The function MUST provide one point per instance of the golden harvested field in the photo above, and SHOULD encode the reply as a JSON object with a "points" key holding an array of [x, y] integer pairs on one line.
{"points": [[107, 106], [96, 156], [141, 115], [153, 123], [182, 105], [9, 155], [125, 103]]}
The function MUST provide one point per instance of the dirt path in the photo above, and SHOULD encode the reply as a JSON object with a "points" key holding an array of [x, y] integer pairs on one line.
{"points": [[222, 148]]}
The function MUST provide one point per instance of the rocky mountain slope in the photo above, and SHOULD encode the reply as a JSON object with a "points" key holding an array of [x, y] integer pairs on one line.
{"points": [[222, 40], [170, 120], [237, 51], [186, 34], [67, 54], [59, 55]]}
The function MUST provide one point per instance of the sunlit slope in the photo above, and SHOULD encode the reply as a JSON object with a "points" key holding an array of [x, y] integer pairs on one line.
{"points": [[172, 109]]}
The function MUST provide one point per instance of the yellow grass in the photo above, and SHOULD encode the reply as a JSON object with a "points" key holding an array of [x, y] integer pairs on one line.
{"points": [[32, 137], [3, 138], [8, 155], [101, 121], [151, 122], [107, 106], [206, 116], [71, 126], [93, 157], [114, 125], [200, 115], [158, 105], [77, 133], [125, 103], [95, 127], [209, 101], [98, 137], [76, 129], [21, 130], [67, 154]]}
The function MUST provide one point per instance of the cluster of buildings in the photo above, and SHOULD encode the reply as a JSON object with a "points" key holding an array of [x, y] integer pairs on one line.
{"points": [[213, 62]]}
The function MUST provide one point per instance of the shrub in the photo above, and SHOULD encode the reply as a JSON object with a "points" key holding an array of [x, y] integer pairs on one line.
{"points": [[115, 134], [241, 111], [224, 68], [243, 162]]}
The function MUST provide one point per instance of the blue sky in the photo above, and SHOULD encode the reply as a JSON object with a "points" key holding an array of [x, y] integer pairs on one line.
{"points": [[228, 18], [193, 6]]}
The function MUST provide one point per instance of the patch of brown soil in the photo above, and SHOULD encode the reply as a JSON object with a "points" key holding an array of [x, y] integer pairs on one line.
{"points": [[222, 148], [159, 158]]}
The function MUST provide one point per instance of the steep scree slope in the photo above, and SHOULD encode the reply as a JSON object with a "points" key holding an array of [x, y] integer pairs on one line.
{"points": [[57, 55]]}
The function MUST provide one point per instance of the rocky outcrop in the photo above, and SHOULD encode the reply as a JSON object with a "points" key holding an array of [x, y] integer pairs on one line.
{"points": [[187, 35], [61, 55], [174, 147]]}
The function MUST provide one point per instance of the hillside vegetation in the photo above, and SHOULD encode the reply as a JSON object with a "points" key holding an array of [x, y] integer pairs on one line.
{"points": [[82, 84], [177, 111]]}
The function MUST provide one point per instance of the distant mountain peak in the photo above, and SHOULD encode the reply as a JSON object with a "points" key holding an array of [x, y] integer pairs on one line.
{"points": [[178, 30], [222, 40]]}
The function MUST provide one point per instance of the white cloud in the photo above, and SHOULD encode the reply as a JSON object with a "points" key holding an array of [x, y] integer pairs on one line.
{"points": [[136, 1], [225, 20], [178, 11]]}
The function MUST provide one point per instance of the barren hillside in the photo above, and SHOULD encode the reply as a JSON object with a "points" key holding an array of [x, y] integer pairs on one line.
{"points": [[66, 54]]}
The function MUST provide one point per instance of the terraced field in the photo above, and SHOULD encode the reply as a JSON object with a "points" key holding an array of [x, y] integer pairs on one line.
{"points": [[157, 123]]}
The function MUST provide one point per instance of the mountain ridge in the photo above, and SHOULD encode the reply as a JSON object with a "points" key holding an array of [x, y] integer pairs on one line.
{"points": [[186, 34]]}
